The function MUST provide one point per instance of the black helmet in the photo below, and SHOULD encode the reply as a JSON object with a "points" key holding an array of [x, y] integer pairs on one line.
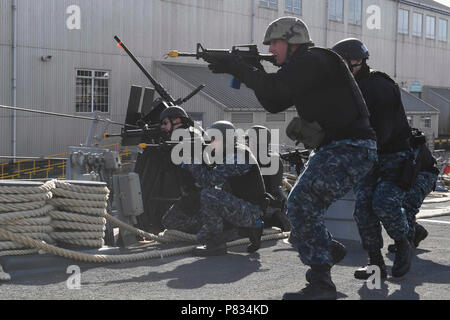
{"points": [[173, 112], [258, 129], [223, 126], [176, 112], [351, 49], [258, 132]]}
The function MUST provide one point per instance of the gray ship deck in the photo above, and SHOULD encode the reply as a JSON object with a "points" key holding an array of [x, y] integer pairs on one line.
{"points": [[265, 275]]}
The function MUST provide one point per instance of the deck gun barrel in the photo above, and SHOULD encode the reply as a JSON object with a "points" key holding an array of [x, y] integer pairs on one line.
{"points": [[158, 87], [148, 124]]}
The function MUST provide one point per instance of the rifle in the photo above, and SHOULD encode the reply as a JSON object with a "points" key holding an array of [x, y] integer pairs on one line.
{"points": [[250, 56], [152, 136], [296, 157]]}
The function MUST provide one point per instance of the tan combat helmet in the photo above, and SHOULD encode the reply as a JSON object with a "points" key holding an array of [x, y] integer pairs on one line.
{"points": [[291, 29]]}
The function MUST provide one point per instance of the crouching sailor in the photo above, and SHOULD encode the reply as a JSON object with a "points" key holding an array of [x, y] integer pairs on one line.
{"points": [[232, 192]]}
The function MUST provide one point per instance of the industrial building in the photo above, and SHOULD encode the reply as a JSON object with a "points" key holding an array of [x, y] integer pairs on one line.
{"points": [[440, 97], [60, 56]]}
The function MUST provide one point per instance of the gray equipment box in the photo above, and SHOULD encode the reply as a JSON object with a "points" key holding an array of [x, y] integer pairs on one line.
{"points": [[127, 194]]}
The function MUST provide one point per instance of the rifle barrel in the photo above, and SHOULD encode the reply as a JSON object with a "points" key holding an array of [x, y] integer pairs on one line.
{"points": [[175, 53]]}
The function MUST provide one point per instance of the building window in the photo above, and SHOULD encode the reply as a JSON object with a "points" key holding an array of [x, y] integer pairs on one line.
{"points": [[417, 24], [336, 10], [425, 122], [442, 35], [272, 4], [354, 12], [92, 91], [430, 27], [242, 117], [403, 21], [410, 122], [293, 6], [276, 117]]}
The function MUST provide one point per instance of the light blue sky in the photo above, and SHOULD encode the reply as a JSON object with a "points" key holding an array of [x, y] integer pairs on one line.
{"points": [[446, 2]]}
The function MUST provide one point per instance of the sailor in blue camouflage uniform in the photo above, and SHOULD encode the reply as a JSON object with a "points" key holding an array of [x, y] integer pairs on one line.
{"points": [[237, 202], [333, 120], [380, 195], [259, 140], [184, 214], [424, 184]]}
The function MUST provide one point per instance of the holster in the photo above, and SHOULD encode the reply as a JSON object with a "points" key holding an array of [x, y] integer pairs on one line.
{"points": [[310, 134], [407, 173], [417, 138]]}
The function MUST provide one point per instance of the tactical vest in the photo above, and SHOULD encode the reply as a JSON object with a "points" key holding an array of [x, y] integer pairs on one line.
{"points": [[250, 186], [348, 118], [272, 182], [400, 140]]}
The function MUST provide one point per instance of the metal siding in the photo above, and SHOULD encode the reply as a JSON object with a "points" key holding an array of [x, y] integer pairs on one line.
{"points": [[5, 75], [6, 22], [151, 29], [444, 116], [5, 99], [199, 103]]}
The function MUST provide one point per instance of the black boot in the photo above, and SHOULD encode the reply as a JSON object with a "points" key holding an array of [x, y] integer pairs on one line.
{"points": [[338, 253], [375, 258], [216, 247], [254, 234], [320, 287], [403, 257], [421, 234]]}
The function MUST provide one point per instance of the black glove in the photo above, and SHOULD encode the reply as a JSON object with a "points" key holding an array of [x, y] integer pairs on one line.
{"points": [[227, 64], [219, 68]]}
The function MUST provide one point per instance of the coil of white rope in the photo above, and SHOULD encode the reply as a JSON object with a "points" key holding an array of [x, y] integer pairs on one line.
{"points": [[72, 203], [86, 221], [23, 211]]}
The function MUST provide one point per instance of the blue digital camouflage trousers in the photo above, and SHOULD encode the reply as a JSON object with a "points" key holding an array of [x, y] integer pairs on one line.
{"points": [[217, 206], [424, 185], [331, 171], [177, 219], [379, 199]]}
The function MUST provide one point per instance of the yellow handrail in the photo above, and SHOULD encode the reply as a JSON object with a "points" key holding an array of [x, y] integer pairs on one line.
{"points": [[34, 171]]}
